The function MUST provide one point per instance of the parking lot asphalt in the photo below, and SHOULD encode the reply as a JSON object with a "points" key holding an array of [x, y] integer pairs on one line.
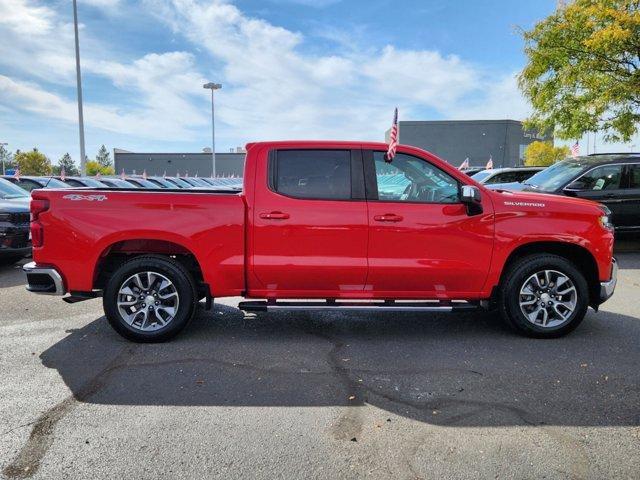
{"points": [[318, 395]]}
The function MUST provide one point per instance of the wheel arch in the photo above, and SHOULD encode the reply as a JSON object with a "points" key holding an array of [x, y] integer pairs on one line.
{"points": [[118, 252], [578, 255]]}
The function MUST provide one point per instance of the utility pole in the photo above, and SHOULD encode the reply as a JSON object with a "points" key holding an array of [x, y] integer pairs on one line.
{"points": [[3, 144], [213, 87], [83, 158]]}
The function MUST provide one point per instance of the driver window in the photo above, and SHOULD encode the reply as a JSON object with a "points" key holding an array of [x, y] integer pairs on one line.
{"points": [[411, 179], [602, 178]]}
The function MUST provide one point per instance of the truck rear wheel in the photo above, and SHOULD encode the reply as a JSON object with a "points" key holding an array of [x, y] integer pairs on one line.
{"points": [[544, 296], [149, 299]]}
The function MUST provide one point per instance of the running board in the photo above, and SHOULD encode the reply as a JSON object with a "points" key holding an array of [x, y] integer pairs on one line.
{"points": [[381, 306]]}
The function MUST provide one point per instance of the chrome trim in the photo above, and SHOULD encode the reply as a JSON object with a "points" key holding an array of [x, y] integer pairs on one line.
{"points": [[33, 268], [607, 288]]}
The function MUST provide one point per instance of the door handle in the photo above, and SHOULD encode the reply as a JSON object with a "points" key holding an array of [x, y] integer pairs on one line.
{"points": [[274, 216], [388, 217]]}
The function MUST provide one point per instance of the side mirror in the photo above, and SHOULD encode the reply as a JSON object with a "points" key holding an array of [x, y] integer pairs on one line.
{"points": [[472, 198]]}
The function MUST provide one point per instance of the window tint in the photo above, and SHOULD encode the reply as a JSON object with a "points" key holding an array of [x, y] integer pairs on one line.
{"points": [[411, 179], [504, 177], [521, 176], [73, 183], [28, 184], [634, 174], [606, 177], [314, 174]]}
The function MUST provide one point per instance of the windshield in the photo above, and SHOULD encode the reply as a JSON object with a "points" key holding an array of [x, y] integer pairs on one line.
{"points": [[9, 190], [557, 175], [51, 182], [478, 177]]}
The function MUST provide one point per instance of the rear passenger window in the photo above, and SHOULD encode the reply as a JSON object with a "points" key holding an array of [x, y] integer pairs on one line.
{"points": [[312, 174], [634, 173]]}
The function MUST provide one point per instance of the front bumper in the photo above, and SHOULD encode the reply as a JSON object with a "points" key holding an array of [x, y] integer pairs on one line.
{"points": [[607, 288], [43, 280]]}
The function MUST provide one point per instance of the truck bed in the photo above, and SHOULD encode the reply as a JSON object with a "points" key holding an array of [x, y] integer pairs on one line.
{"points": [[90, 223]]}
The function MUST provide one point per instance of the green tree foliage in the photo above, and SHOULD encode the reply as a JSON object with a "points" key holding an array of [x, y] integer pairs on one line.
{"points": [[543, 154], [69, 165], [104, 157], [93, 168], [32, 163], [583, 71]]}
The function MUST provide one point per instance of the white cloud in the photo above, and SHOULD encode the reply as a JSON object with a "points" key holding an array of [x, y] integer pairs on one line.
{"points": [[272, 88]]}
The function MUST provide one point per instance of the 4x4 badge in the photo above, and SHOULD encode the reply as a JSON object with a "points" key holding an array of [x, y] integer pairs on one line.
{"points": [[90, 198]]}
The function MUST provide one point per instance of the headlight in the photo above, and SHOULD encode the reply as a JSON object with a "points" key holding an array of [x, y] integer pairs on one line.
{"points": [[605, 218]]}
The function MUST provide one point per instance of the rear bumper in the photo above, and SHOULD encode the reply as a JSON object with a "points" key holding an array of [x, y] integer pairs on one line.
{"points": [[607, 288], [44, 280]]}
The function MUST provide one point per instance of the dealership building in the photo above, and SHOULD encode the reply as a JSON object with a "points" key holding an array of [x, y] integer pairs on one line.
{"points": [[201, 164], [503, 141]]}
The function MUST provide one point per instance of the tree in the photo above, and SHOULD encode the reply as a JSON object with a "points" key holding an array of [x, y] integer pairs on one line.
{"points": [[93, 168], [69, 166], [32, 163], [6, 159], [104, 157], [583, 70], [543, 154]]}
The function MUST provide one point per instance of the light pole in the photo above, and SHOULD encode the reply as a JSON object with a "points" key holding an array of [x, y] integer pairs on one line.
{"points": [[213, 87], [3, 144], [83, 161]]}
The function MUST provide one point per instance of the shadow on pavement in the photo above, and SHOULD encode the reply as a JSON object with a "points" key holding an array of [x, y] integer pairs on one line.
{"points": [[458, 370], [11, 274]]}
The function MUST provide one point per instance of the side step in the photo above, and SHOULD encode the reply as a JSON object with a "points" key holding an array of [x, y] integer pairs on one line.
{"points": [[377, 306]]}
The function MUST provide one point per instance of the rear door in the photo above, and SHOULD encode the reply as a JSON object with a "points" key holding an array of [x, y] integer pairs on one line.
{"points": [[629, 208], [309, 224], [422, 242]]}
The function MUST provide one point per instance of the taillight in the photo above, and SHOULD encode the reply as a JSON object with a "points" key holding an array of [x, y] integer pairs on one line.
{"points": [[38, 205]]}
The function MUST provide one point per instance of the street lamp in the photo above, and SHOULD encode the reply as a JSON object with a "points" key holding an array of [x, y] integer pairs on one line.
{"points": [[213, 87], [83, 158]]}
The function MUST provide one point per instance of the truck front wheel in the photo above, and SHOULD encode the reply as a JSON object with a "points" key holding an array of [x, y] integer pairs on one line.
{"points": [[149, 299], [544, 296]]}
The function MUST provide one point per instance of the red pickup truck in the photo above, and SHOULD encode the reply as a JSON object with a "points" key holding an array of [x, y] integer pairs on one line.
{"points": [[332, 223]]}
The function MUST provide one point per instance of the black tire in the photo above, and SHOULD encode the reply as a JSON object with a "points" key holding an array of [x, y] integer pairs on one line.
{"points": [[514, 280], [171, 269]]}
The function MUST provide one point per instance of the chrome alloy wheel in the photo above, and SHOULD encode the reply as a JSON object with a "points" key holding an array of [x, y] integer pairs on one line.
{"points": [[148, 301], [548, 298]]}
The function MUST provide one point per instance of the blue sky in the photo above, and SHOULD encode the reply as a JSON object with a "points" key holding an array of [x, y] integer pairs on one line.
{"points": [[290, 69]]}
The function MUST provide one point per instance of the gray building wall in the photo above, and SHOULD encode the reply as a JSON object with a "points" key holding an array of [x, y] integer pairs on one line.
{"points": [[455, 140], [227, 164]]}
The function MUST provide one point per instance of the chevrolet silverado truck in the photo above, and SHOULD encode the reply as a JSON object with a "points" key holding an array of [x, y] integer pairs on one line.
{"points": [[332, 223]]}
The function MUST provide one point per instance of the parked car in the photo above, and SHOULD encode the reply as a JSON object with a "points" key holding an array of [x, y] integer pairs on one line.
{"points": [[613, 180], [14, 221], [179, 182], [313, 224], [505, 175], [141, 182], [112, 182], [77, 182], [29, 183], [161, 182], [472, 170]]}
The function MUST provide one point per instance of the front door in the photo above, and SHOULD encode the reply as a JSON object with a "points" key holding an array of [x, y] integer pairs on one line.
{"points": [[309, 225], [422, 242], [604, 184]]}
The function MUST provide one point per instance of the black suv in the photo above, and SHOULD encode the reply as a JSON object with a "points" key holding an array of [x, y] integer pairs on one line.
{"points": [[14, 222], [611, 179]]}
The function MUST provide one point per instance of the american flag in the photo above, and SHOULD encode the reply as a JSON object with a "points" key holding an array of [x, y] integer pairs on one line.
{"points": [[144, 174], [490, 163], [17, 173], [575, 149], [123, 175], [464, 165], [393, 138], [62, 174], [164, 175]]}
